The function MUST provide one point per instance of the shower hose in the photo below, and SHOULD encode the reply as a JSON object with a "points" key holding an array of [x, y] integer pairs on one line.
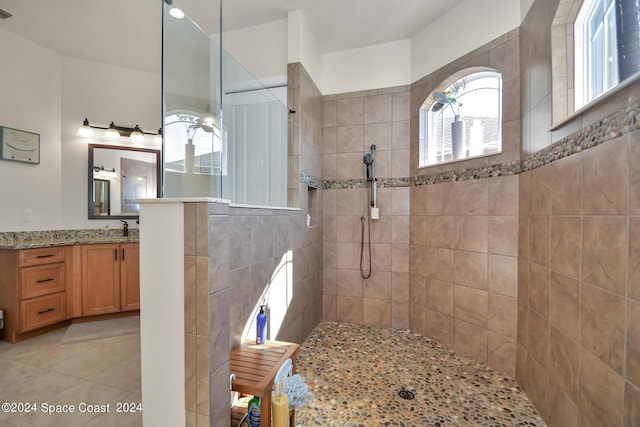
{"points": [[363, 219]]}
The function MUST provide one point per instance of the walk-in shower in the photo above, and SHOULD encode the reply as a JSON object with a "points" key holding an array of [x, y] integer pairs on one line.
{"points": [[369, 160]]}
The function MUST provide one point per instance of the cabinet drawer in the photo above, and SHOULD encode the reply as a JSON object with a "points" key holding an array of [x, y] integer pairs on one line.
{"points": [[42, 311], [40, 256], [41, 280]]}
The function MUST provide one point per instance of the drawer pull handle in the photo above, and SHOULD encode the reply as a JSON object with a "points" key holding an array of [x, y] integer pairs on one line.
{"points": [[46, 311], [50, 279], [45, 256]]}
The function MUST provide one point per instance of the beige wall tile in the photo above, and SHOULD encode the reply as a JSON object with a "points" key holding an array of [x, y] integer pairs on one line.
{"points": [[329, 228], [440, 296], [400, 229], [400, 286], [540, 240], [329, 307], [538, 381], [377, 312], [540, 191], [349, 166], [470, 269], [418, 290], [502, 313], [329, 113], [349, 283], [539, 289], [503, 235], [440, 199], [202, 372], [377, 108], [400, 257], [470, 340], [400, 197], [348, 256], [604, 248], [566, 188], [381, 229], [219, 340], [349, 309], [329, 202], [605, 178], [189, 229], [378, 134], [329, 254], [418, 260], [440, 264], [418, 230], [378, 285], [190, 294], [524, 194], [562, 411], [501, 353], [564, 304], [566, 242], [381, 257], [350, 111], [522, 366], [202, 229], [502, 275], [633, 343], [190, 354], [329, 166], [400, 136], [503, 195], [440, 231], [563, 363], [600, 393], [400, 163], [523, 237], [470, 197], [348, 229], [471, 305], [523, 324], [471, 233], [634, 173], [418, 200], [202, 295], [631, 405], [633, 289], [400, 314], [417, 318], [602, 323], [349, 139], [523, 280], [538, 339], [400, 106], [329, 139], [440, 327]]}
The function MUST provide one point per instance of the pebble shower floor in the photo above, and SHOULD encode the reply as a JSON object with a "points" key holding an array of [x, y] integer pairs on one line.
{"points": [[356, 373]]}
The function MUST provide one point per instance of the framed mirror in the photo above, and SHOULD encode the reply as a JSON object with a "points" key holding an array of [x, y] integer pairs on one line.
{"points": [[118, 176]]}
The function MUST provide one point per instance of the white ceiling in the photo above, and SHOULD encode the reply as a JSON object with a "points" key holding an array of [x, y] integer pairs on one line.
{"points": [[128, 33]]}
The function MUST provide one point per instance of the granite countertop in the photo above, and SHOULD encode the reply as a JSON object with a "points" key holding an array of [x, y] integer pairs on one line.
{"points": [[49, 238]]}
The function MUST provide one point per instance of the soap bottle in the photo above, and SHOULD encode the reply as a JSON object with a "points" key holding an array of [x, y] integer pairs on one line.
{"points": [[253, 412], [261, 323]]}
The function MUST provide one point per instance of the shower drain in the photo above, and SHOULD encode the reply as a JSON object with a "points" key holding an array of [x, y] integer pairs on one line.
{"points": [[406, 394]]}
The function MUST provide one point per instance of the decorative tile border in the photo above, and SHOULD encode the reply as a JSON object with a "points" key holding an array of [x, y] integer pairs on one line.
{"points": [[613, 126]]}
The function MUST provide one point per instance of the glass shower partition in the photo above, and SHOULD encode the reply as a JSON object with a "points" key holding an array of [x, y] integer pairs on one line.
{"points": [[224, 134]]}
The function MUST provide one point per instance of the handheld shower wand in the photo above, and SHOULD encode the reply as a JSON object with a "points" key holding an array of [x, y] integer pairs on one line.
{"points": [[369, 160]]}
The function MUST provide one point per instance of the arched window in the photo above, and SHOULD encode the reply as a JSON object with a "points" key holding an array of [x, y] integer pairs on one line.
{"points": [[192, 141], [463, 120]]}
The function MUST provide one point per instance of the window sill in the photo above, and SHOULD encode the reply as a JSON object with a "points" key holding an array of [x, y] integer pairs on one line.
{"points": [[459, 160]]}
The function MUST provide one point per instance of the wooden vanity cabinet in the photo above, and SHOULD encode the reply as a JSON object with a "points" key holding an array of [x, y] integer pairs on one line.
{"points": [[110, 278], [32, 289]]}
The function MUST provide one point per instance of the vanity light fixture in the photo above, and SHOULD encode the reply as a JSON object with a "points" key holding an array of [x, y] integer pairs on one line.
{"points": [[135, 134], [101, 172]]}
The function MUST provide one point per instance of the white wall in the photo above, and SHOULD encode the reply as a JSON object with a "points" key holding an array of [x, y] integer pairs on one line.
{"points": [[302, 46], [371, 67], [464, 28], [31, 89], [101, 93]]}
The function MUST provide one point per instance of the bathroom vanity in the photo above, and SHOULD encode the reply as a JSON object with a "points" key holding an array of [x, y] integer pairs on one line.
{"points": [[48, 283]]}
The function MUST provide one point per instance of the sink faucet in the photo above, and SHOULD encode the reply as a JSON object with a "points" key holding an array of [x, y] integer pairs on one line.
{"points": [[125, 228]]}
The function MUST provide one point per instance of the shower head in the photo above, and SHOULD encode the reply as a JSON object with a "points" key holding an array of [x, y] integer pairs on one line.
{"points": [[368, 159]]}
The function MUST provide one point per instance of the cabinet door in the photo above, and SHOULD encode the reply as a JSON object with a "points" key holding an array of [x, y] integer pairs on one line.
{"points": [[129, 276], [100, 279]]}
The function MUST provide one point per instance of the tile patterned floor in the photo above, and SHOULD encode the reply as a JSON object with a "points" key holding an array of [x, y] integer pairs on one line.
{"points": [[43, 370], [356, 373]]}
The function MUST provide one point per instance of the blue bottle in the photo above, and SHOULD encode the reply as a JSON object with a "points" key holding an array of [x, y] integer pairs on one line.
{"points": [[261, 334]]}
